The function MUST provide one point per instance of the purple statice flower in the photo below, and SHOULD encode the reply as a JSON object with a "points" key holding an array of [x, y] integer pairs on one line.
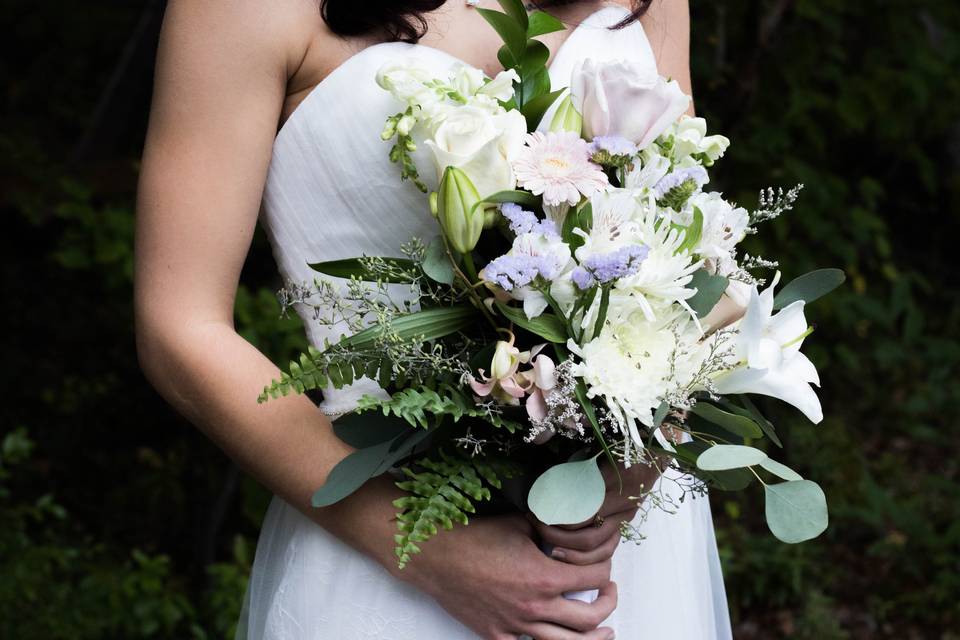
{"points": [[697, 175], [523, 221], [513, 272], [606, 267], [613, 145]]}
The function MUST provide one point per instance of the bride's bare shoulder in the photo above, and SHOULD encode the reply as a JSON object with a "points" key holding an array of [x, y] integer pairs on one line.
{"points": [[268, 33]]}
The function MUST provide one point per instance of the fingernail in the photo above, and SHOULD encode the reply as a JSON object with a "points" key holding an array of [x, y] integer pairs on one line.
{"points": [[558, 554], [611, 635]]}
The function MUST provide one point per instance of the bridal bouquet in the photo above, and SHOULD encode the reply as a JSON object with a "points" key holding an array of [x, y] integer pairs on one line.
{"points": [[584, 300]]}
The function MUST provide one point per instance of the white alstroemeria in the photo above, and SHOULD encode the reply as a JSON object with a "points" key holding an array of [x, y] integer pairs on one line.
{"points": [[646, 173], [768, 358], [534, 261], [635, 363], [690, 138], [724, 225], [616, 222], [480, 143]]}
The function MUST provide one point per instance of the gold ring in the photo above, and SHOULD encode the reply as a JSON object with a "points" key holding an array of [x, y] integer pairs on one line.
{"points": [[598, 521]]}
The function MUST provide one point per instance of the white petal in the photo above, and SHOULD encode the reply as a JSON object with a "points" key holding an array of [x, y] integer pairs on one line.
{"points": [[534, 303], [788, 325]]}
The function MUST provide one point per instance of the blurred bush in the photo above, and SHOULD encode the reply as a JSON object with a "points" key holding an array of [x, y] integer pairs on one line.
{"points": [[118, 520]]}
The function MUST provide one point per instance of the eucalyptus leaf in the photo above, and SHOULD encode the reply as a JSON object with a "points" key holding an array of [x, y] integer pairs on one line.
{"points": [[726, 480], [736, 424], [660, 414], [796, 511], [350, 473], [568, 493], [546, 325], [729, 456], [362, 430], [809, 287], [427, 324], [780, 470], [436, 262], [709, 289], [354, 268]]}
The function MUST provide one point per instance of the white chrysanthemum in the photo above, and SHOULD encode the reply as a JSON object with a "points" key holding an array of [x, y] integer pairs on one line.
{"points": [[557, 165], [634, 364], [663, 277], [616, 222]]}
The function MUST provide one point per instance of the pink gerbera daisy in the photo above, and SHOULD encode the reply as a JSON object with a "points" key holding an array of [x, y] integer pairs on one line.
{"points": [[557, 165]]}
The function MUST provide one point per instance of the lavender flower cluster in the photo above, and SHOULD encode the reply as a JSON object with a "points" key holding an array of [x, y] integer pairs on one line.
{"points": [[606, 267], [523, 221]]}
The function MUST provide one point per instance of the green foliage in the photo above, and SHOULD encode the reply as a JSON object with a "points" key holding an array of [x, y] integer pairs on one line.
{"points": [[568, 493], [442, 493], [423, 407]]}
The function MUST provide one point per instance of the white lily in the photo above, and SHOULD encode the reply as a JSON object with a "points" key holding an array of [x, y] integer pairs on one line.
{"points": [[769, 358]]}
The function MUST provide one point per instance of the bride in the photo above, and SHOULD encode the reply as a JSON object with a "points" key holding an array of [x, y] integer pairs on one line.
{"points": [[229, 73]]}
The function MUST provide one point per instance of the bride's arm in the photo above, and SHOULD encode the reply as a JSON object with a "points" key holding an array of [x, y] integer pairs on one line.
{"points": [[667, 25], [221, 78]]}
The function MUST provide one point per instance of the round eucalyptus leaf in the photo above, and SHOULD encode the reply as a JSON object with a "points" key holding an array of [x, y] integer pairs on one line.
{"points": [[780, 470], [729, 456], [568, 493], [436, 263], [796, 510]]}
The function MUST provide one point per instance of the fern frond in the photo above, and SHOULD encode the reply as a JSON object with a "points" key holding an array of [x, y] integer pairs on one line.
{"points": [[417, 404], [442, 494]]}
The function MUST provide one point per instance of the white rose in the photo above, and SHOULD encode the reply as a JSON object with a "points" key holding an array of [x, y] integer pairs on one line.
{"points": [[481, 144], [723, 225], [620, 98]]}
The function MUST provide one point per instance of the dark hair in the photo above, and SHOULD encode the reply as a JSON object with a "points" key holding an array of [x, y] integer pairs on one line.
{"points": [[403, 19]]}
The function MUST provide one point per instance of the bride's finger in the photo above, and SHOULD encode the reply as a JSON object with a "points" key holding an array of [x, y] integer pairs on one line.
{"points": [[591, 556], [586, 538], [585, 616], [547, 631]]}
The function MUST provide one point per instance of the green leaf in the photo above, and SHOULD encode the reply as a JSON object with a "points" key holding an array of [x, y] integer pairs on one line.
{"points": [[809, 287], [796, 511], [534, 109], [780, 470], [436, 262], [350, 473], [720, 457], [736, 424], [427, 324], [709, 289], [353, 268], [546, 325], [582, 219], [516, 10], [660, 414], [510, 30], [726, 480], [758, 417], [524, 198], [568, 493], [368, 429], [541, 23], [692, 233]]}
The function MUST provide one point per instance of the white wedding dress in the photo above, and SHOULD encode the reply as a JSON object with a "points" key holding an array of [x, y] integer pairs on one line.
{"points": [[332, 193]]}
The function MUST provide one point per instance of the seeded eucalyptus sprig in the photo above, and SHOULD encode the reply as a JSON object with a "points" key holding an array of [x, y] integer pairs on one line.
{"points": [[526, 55]]}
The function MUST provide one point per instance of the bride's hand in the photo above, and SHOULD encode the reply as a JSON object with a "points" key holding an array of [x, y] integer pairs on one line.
{"points": [[597, 539], [492, 577]]}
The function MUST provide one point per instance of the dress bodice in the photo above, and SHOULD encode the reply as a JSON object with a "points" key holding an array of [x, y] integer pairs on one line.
{"points": [[331, 191]]}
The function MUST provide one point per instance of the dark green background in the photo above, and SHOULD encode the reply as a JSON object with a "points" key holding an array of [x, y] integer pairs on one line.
{"points": [[119, 520]]}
